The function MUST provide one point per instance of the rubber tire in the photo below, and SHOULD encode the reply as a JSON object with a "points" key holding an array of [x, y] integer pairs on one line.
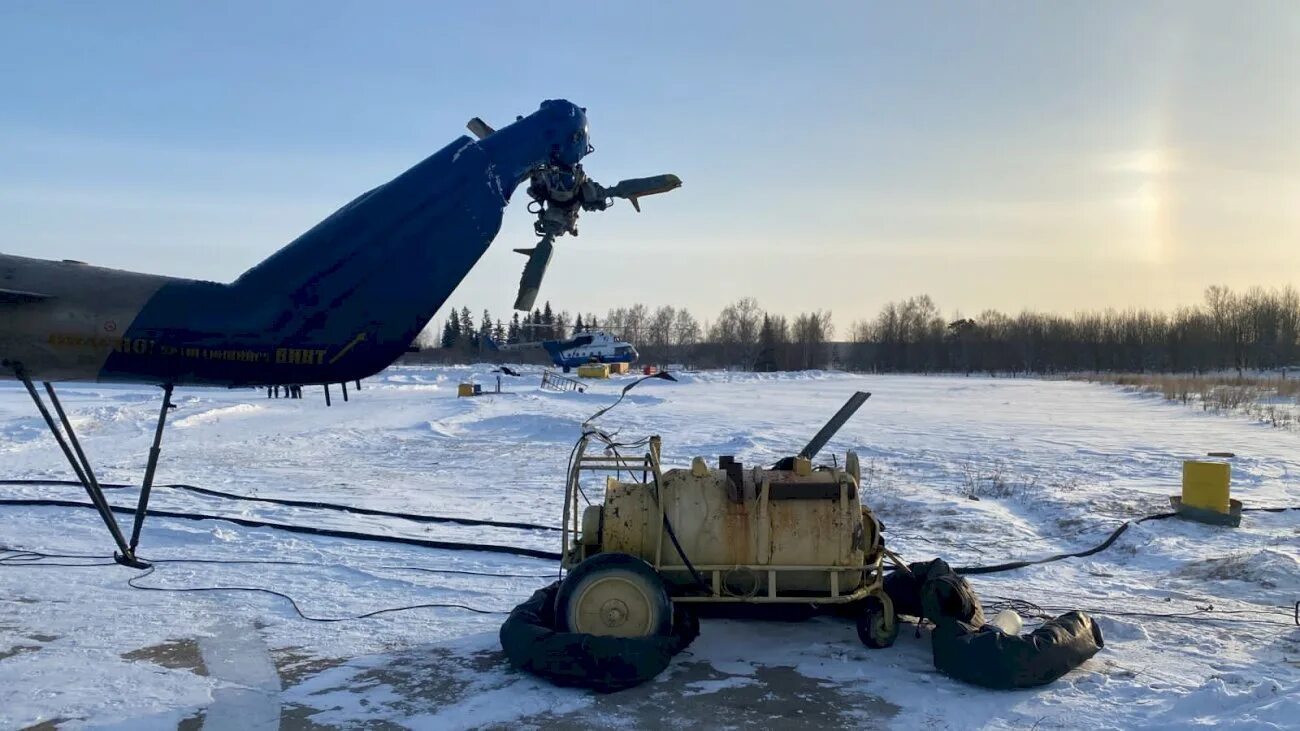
{"points": [[686, 623], [872, 619], [629, 568]]}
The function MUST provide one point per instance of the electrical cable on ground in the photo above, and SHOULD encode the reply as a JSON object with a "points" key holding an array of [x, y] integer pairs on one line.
{"points": [[1199, 614], [416, 517], [1110, 540], [310, 530]]}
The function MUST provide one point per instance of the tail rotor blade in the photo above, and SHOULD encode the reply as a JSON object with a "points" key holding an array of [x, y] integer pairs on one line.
{"points": [[531, 282]]}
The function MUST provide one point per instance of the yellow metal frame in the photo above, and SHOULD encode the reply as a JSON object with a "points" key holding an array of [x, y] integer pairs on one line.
{"points": [[649, 465]]}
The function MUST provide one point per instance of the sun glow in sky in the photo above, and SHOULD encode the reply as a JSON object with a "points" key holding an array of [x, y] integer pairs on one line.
{"points": [[1055, 156]]}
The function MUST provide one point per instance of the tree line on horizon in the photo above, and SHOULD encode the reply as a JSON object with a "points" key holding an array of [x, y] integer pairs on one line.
{"points": [[1255, 329], [459, 331]]}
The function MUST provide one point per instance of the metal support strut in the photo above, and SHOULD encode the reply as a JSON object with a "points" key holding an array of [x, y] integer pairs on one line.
{"points": [[76, 457], [142, 507]]}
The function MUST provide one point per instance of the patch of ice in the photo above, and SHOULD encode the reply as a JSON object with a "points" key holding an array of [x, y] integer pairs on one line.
{"points": [[705, 687]]}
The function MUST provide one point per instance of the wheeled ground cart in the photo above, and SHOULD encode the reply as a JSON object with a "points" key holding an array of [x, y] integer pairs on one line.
{"points": [[788, 534]]}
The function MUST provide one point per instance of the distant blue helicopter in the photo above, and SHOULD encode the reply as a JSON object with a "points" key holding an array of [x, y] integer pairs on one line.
{"points": [[588, 346]]}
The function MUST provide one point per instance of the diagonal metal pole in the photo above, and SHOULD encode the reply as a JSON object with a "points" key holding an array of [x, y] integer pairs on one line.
{"points": [[826, 432], [87, 480], [86, 473], [142, 508]]}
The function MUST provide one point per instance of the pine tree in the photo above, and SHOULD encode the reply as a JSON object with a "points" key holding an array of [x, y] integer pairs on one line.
{"points": [[766, 361], [512, 334], [466, 338], [484, 330], [548, 322], [452, 336]]}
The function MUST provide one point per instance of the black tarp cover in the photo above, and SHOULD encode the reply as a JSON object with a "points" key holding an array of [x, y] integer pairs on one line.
{"points": [[994, 659], [966, 649], [933, 591]]}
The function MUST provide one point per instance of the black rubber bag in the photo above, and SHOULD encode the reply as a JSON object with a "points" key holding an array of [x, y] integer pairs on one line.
{"points": [[604, 664], [993, 659], [932, 590]]}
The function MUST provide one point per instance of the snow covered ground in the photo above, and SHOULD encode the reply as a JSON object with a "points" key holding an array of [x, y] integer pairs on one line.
{"points": [[1055, 467]]}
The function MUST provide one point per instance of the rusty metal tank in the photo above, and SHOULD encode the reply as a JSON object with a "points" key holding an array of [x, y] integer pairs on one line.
{"points": [[734, 522]]}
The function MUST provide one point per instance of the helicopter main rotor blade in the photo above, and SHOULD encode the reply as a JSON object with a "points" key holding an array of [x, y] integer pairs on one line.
{"points": [[531, 282]]}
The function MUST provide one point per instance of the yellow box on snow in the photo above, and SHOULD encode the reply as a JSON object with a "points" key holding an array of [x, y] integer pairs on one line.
{"points": [[593, 370], [1206, 485], [465, 389]]}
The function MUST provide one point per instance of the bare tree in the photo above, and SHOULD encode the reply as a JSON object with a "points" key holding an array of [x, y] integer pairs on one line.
{"points": [[659, 331], [635, 322], [736, 332], [686, 329], [616, 320], [812, 333]]}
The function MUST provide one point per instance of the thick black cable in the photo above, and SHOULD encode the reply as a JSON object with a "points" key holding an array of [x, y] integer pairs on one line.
{"points": [[1013, 565], [320, 564], [1110, 540], [309, 530], [672, 535], [52, 564], [416, 517]]}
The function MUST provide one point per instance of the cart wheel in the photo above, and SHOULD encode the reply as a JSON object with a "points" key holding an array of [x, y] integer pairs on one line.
{"points": [[877, 623], [614, 595]]}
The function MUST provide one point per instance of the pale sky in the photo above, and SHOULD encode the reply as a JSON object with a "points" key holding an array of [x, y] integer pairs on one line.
{"points": [[1054, 156]]}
